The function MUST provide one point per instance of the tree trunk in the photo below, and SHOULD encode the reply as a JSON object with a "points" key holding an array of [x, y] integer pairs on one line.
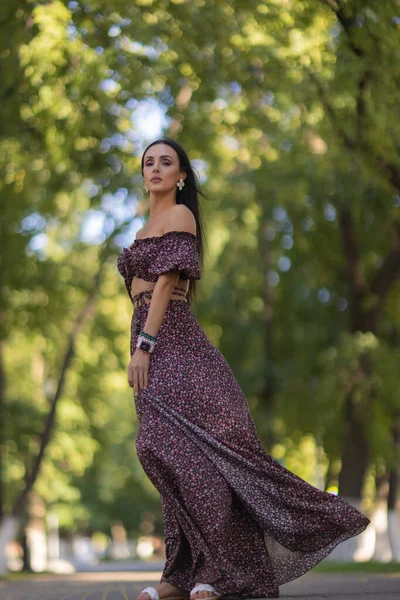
{"points": [[332, 472], [379, 519], [393, 516], [9, 527], [26, 560], [355, 454], [45, 437], [2, 427], [268, 392], [393, 521], [355, 450]]}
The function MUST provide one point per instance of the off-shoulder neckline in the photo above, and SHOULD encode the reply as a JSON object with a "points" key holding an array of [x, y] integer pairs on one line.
{"points": [[155, 237]]}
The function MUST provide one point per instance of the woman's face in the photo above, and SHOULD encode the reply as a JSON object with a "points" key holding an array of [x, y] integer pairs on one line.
{"points": [[161, 162]]}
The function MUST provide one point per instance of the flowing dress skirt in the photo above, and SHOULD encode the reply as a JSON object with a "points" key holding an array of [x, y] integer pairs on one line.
{"points": [[233, 516]]}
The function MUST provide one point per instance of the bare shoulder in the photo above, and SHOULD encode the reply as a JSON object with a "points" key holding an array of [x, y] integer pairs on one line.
{"points": [[180, 218]]}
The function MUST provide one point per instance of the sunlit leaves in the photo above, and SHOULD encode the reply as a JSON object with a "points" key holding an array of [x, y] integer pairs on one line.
{"points": [[293, 115]]}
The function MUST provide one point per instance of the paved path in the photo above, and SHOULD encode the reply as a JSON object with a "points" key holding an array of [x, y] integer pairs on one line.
{"points": [[126, 586]]}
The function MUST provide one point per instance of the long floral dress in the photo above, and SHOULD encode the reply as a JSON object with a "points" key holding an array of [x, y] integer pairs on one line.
{"points": [[233, 516]]}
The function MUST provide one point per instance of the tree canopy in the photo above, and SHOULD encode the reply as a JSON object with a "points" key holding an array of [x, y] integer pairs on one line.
{"points": [[289, 111]]}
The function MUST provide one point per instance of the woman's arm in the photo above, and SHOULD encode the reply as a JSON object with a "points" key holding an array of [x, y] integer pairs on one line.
{"points": [[138, 368], [179, 218], [159, 302]]}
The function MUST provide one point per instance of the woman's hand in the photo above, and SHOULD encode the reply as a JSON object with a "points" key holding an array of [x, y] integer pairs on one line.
{"points": [[138, 370]]}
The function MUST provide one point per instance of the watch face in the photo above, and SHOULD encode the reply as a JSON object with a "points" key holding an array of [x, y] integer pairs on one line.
{"points": [[145, 346]]}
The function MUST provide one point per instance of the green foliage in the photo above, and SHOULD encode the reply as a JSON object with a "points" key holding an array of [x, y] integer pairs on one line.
{"points": [[292, 109]]}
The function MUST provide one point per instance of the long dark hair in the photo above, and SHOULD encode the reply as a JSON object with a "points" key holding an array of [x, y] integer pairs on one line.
{"points": [[189, 197]]}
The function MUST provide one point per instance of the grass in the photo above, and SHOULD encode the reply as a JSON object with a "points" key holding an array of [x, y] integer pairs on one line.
{"points": [[357, 567], [322, 567], [16, 575]]}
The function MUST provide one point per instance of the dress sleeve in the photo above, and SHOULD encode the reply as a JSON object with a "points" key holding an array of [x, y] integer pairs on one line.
{"points": [[177, 252], [123, 266]]}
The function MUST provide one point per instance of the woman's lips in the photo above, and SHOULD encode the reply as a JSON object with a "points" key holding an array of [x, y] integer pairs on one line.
{"points": [[155, 179]]}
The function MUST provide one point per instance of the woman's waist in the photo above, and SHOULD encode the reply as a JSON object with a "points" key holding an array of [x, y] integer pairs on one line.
{"points": [[144, 296]]}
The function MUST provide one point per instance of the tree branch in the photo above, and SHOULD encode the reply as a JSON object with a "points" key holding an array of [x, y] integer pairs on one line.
{"points": [[349, 143], [390, 268], [357, 285], [45, 438], [355, 276], [391, 170], [332, 5], [363, 85], [347, 24]]}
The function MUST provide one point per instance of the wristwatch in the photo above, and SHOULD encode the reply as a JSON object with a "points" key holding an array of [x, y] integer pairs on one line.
{"points": [[145, 346]]}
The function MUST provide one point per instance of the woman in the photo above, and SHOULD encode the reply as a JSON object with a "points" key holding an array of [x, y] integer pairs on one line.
{"points": [[236, 522]]}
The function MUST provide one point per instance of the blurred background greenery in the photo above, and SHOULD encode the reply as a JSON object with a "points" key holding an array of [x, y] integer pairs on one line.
{"points": [[290, 113]]}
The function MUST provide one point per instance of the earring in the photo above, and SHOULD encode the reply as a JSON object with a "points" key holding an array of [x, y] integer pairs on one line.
{"points": [[146, 189], [180, 184]]}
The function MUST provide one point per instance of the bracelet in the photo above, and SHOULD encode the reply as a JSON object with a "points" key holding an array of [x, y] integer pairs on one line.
{"points": [[143, 343], [148, 336]]}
